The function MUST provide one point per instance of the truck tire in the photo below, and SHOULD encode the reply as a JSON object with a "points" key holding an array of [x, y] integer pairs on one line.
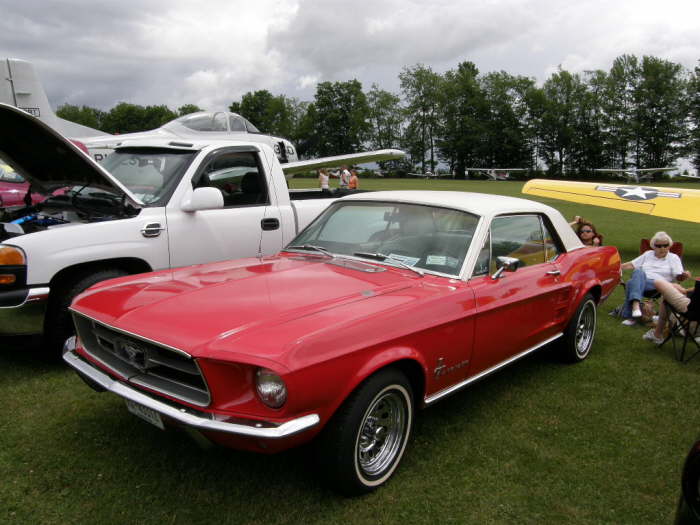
{"points": [[58, 324]]}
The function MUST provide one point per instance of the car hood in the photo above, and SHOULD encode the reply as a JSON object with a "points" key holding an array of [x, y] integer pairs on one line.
{"points": [[49, 160], [268, 303]]}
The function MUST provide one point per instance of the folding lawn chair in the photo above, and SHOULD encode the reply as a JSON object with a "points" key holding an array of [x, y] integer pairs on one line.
{"points": [[685, 325]]}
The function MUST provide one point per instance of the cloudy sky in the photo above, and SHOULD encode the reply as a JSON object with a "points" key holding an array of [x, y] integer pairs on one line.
{"points": [[210, 52]]}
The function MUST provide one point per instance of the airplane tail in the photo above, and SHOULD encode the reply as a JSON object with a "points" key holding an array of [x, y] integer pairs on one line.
{"points": [[20, 87]]}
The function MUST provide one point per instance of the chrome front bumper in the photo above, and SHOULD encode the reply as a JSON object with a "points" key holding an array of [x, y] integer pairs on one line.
{"points": [[27, 316], [188, 417]]}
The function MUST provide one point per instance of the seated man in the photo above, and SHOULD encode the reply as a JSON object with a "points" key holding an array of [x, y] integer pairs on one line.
{"points": [[678, 297], [657, 263]]}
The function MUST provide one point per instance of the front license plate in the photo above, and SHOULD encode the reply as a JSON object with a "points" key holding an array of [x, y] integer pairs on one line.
{"points": [[145, 413]]}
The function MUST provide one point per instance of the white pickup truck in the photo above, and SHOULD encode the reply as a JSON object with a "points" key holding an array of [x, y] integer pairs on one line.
{"points": [[152, 204]]}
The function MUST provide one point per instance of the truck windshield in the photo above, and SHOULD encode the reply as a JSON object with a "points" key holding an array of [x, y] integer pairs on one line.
{"points": [[151, 174]]}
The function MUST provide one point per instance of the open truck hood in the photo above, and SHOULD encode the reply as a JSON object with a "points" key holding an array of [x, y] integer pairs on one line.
{"points": [[49, 160]]}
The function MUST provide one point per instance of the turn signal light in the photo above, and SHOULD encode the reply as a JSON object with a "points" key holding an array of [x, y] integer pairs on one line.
{"points": [[11, 256], [7, 278]]}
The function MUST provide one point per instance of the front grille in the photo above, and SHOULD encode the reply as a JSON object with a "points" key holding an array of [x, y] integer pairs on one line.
{"points": [[143, 362]]}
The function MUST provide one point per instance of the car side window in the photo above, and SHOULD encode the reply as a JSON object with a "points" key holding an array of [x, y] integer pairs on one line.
{"points": [[484, 258], [551, 246], [518, 236], [238, 177]]}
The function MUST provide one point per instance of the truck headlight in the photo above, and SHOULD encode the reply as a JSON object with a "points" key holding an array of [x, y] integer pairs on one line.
{"points": [[12, 256], [270, 387]]}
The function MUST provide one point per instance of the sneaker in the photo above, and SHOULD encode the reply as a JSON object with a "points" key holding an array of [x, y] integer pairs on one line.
{"points": [[649, 336], [636, 312], [655, 318], [629, 322]]}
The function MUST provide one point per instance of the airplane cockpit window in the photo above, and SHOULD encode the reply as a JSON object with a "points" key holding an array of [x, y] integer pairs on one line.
{"points": [[204, 121], [250, 127], [236, 123]]}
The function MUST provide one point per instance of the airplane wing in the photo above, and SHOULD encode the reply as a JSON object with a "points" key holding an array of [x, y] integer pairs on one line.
{"points": [[290, 168], [669, 168], [673, 203]]}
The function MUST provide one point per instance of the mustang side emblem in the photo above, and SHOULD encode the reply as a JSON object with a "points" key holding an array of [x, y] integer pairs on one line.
{"points": [[441, 369], [638, 193]]}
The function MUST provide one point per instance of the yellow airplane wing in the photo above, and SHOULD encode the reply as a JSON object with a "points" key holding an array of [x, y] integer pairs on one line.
{"points": [[673, 203]]}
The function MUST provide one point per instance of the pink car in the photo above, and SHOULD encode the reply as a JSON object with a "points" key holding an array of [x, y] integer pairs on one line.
{"points": [[13, 188]]}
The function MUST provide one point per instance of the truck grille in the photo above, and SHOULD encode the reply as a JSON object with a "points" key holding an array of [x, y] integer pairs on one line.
{"points": [[143, 362]]}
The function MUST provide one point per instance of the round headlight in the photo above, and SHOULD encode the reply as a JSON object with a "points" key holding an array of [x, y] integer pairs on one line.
{"points": [[11, 256], [270, 387]]}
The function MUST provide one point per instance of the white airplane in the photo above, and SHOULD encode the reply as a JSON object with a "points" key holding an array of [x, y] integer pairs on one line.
{"points": [[496, 173], [426, 175], [636, 175], [20, 87]]}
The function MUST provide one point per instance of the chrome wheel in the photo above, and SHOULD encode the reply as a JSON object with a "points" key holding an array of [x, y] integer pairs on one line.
{"points": [[383, 432], [585, 329], [365, 440]]}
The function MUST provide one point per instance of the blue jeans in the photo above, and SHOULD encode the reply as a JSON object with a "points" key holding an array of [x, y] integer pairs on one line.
{"points": [[634, 290]]}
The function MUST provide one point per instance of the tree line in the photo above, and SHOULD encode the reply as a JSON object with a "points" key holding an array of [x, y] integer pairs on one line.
{"points": [[641, 112]]}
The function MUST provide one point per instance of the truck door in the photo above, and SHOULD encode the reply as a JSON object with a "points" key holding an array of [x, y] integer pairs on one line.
{"points": [[242, 228]]}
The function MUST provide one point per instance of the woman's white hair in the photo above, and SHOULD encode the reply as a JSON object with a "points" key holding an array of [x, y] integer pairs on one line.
{"points": [[660, 236]]}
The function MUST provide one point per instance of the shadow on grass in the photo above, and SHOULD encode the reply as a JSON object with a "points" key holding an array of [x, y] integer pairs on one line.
{"points": [[20, 354]]}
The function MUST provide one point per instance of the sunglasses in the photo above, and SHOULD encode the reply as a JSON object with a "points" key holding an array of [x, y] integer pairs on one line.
{"points": [[586, 231], [661, 246]]}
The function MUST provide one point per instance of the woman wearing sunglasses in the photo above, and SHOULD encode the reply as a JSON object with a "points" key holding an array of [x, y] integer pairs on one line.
{"points": [[586, 232], [657, 263]]}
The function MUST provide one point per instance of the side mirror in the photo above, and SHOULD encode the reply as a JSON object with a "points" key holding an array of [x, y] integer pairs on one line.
{"points": [[505, 264], [206, 198]]}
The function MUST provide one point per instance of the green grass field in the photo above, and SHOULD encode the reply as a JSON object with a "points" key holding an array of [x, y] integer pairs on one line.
{"points": [[541, 442]]}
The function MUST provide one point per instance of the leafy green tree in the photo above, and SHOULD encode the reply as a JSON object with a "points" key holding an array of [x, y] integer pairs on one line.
{"points": [[156, 116], [461, 119], [506, 140], [129, 118], [269, 113], [562, 115], [125, 118], [693, 97], [84, 115], [186, 109], [385, 118], [618, 106], [660, 112], [339, 119], [305, 136], [421, 87]]}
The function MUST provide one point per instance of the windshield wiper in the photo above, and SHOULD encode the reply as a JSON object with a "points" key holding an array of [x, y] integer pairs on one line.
{"points": [[313, 247], [384, 257]]}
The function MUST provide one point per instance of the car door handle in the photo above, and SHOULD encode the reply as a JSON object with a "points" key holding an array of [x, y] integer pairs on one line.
{"points": [[152, 229], [553, 272], [270, 224]]}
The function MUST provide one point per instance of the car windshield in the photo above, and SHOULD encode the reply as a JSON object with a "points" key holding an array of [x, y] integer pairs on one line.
{"points": [[149, 173], [423, 237]]}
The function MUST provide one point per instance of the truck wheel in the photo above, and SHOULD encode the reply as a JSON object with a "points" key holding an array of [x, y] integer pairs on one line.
{"points": [[58, 325], [364, 442], [578, 336]]}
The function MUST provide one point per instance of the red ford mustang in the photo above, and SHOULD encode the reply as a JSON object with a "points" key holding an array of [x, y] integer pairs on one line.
{"points": [[388, 302]]}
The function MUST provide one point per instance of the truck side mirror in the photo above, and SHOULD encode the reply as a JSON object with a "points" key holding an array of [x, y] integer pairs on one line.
{"points": [[206, 198]]}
